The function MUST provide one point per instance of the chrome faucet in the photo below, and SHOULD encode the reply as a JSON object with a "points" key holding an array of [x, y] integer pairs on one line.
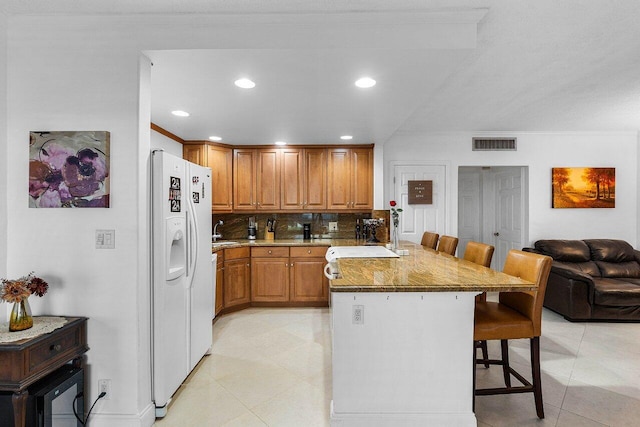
{"points": [[217, 235]]}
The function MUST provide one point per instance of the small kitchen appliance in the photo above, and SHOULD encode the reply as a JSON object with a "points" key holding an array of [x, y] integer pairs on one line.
{"points": [[306, 231], [252, 230]]}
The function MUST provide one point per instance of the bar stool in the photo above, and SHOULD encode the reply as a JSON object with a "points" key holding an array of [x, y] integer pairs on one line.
{"points": [[448, 245], [481, 254], [517, 315], [429, 240]]}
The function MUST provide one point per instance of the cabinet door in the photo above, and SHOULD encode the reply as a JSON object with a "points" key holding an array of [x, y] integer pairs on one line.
{"points": [[292, 179], [268, 179], [219, 284], [270, 279], [308, 282], [315, 178], [237, 275], [361, 178], [338, 179], [220, 160], [195, 153], [244, 180]]}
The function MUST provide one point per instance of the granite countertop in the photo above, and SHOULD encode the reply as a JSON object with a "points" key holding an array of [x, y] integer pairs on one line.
{"points": [[423, 270], [285, 242]]}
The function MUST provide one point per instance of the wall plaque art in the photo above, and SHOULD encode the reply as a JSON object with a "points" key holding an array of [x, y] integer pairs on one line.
{"points": [[69, 169], [420, 192], [584, 188]]}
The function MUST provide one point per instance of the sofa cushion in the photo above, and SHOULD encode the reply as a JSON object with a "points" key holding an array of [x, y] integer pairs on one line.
{"points": [[615, 292], [619, 269], [565, 250], [588, 267], [610, 250]]}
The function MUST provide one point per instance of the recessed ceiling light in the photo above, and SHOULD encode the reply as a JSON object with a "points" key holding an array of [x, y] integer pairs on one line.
{"points": [[215, 138], [365, 82], [346, 137], [180, 113], [280, 143], [245, 83]]}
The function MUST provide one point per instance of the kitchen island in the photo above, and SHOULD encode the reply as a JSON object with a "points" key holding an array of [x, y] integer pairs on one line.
{"points": [[402, 334]]}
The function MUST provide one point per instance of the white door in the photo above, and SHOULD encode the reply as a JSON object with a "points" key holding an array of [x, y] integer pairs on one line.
{"points": [[509, 224], [416, 219], [492, 208]]}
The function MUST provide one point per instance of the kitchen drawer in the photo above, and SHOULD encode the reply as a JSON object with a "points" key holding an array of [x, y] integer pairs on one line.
{"points": [[270, 252], [50, 350], [308, 251], [236, 253]]}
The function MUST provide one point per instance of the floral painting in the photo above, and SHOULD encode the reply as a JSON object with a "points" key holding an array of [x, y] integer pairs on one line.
{"points": [[584, 187], [69, 169]]}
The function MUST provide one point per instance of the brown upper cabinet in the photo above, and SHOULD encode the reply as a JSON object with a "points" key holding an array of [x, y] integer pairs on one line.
{"points": [[286, 179], [349, 178], [256, 179], [303, 179], [220, 160]]}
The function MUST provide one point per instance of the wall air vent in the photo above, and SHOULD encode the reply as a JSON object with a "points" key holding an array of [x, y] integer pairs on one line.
{"points": [[494, 144]]}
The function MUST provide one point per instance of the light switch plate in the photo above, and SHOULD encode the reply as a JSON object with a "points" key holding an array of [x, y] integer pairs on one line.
{"points": [[105, 239], [333, 226]]}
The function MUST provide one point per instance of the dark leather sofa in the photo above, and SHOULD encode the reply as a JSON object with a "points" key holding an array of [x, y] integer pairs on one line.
{"points": [[595, 279]]}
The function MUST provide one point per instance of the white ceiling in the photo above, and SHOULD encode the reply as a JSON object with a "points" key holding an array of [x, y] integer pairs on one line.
{"points": [[550, 65]]}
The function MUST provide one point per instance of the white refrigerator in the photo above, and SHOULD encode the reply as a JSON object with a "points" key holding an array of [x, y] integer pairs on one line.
{"points": [[183, 279]]}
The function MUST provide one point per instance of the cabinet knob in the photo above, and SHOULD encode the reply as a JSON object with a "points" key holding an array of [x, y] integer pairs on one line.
{"points": [[309, 251], [55, 347], [269, 251]]}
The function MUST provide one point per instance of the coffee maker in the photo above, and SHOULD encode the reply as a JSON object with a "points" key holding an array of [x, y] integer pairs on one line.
{"points": [[252, 230], [306, 231]]}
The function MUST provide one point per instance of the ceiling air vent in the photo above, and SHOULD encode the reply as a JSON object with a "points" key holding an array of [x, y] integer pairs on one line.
{"points": [[494, 144]]}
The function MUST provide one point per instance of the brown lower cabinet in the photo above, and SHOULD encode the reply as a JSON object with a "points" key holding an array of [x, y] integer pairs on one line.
{"points": [[237, 277], [276, 276], [270, 274], [308, 282]]}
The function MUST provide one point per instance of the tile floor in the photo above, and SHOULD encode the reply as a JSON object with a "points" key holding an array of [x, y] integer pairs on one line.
{"points": [[272, 367]]}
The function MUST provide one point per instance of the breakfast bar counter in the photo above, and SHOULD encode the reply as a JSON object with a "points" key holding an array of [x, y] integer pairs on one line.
{"points": [[402, 338], [422, 270]]}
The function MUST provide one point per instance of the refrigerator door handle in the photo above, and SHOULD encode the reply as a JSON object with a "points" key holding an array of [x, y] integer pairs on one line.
{"points": [[192, 247]]}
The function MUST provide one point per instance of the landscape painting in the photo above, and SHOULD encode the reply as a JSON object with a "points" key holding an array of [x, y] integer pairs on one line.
{"points": [[584, 188], [69, 169]]}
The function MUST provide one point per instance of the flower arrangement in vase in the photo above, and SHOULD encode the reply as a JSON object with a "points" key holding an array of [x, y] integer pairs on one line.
{"points": [[18, 292], [395, 219]]}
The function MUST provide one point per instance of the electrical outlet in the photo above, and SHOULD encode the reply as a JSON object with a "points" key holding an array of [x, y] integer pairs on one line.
{"points": [[105, 386], [358, 315], [333, 226]]}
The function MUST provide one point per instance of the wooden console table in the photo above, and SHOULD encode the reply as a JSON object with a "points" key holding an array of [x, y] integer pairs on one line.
{"points": [[24, 362]]}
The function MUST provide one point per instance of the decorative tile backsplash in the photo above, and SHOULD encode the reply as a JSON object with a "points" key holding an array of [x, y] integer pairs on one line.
{"points": [[289, 225]]}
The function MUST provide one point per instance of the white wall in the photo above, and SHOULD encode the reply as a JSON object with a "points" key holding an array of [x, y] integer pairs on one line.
{"points": [[540, 152], [159, 141], [68, 76]]}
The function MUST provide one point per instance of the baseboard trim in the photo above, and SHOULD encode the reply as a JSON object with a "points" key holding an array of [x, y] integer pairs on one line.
{"points": [[145, 418]]}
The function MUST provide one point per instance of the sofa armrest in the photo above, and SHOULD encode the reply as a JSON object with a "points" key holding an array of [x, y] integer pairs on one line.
{"points": [[569, 292], [571, 273], [637, 254]]}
